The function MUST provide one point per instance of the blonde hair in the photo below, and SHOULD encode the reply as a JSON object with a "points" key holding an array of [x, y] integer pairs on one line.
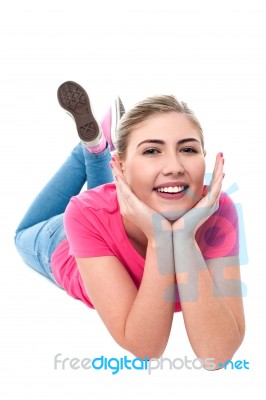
{"points": [[146, 108]]}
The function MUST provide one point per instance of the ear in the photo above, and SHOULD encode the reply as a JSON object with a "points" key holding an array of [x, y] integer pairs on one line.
{"points": [[121, 162]]}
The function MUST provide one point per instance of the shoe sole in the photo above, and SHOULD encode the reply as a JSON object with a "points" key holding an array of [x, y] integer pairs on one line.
{"points": [[74, 99]]}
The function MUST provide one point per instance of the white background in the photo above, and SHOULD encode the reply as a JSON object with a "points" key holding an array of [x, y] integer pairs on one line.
{"points": [[208, 53]]}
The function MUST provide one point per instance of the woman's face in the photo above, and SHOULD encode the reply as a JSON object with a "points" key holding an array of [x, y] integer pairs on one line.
{"points": [[165, 164]]}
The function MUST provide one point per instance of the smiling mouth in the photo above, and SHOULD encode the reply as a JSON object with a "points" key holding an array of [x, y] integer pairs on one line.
{"points": [[171, 189]]}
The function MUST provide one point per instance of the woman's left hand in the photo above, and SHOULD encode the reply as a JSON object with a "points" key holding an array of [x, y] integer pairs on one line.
{"points": [[194, 218]]}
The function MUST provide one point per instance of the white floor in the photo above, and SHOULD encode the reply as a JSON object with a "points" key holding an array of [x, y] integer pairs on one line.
{"points": [[209, 54]]}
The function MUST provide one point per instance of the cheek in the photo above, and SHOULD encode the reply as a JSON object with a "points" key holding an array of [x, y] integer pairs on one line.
{"points": [[197, 174], [199, 170], [132, 173], [138, 171]]}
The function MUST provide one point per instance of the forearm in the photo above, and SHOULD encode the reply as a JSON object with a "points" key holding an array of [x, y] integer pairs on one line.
{"points": [[149, 321], [210, 323]]}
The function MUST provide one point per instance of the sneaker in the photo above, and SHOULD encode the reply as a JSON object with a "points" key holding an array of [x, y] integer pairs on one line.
{"points": [[74, 99], [110, 121]]}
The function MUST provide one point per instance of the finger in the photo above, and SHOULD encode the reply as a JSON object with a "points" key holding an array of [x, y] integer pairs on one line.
{"points": [[120, 181], [116, 170], [216, 182], [120, 178], [214, 194], [218, 175], [116, 167], [218, 169], [218, 164], [126, 197]]}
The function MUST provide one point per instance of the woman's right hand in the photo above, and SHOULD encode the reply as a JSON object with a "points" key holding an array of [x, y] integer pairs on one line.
{"points": [[144, 217]]}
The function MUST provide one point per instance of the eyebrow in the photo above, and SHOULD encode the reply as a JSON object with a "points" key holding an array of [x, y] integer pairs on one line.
{"points": [[157, 141]]}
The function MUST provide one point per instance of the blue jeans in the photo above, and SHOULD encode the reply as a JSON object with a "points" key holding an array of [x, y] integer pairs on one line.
{"points": [[42, 229]]}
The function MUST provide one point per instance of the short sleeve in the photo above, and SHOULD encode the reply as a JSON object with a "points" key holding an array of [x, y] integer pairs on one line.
{"points": [[84, 231], [219, 235]]}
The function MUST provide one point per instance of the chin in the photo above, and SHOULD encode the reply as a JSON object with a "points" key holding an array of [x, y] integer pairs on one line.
{"points": [[172, 215]]}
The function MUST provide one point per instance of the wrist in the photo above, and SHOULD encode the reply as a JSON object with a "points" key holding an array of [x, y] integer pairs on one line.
{"points": [[160, 248], [183, 234], [161, 229], [160, 238]]}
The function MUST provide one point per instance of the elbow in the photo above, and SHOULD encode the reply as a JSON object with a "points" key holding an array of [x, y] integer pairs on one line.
{"points": [[215, 357], [147, 354], [223, 348], [149, 347], [144, 352]]}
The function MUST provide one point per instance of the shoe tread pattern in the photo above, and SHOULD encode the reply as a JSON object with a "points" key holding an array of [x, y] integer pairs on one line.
{"points": [[73, 98]]}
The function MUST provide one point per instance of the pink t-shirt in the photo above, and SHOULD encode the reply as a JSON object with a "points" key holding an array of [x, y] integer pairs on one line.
{"points": [[94, 228]]}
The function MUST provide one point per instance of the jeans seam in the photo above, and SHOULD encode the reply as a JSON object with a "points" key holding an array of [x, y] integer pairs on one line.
{"points": [[19, 248]]}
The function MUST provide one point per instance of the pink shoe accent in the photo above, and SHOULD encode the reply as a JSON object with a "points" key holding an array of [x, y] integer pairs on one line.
{"points": [[110, 121], [106, 125], [101, 146]]}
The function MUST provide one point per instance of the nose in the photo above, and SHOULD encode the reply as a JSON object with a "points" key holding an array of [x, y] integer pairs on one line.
{"points": [[173, 165]]}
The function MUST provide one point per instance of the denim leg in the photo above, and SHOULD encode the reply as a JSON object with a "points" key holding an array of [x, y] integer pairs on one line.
{"points": [[37, 243], [98, 170], [42, 229], [54, 197], [80, 166]]}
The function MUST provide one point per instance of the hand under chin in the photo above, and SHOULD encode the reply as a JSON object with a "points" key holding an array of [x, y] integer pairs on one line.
{"points": [[173, 216]]}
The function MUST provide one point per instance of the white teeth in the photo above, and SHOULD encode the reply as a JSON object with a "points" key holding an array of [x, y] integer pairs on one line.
{"points": [[171, 189]]}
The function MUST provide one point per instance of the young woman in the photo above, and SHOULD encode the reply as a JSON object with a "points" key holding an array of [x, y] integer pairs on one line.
{"points": [[154, 242]]}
